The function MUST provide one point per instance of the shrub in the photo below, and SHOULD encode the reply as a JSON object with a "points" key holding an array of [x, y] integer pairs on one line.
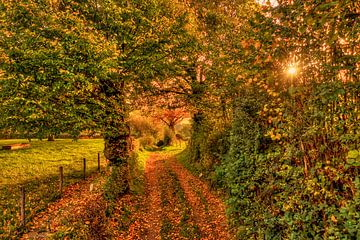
{"points": [[142, 126], [160, 143], [146, 141], [208, 144], [184, 130], [294, 177]]}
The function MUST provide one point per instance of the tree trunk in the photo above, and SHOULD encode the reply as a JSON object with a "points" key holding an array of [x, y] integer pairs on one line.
{"points": [[116, 138], [197, 135], [117, 131], [117, 151], [172, 127], [51, 138]]}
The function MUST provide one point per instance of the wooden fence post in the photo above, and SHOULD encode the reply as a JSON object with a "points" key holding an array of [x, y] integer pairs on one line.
{"points": [[61, 179], [99, 161], [84, 168], [22, 205]]}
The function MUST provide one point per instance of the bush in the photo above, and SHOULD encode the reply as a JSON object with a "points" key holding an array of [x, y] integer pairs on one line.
{"points": [[293, 177], [146, 141], [289, 164], [208, 144], [184, 130], [160, 143], [142, 126]]}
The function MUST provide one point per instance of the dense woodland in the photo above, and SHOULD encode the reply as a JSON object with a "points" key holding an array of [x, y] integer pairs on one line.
{"points": [[272, 89]]}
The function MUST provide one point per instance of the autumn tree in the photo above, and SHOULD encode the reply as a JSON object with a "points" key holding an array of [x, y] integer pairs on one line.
{"points": [[69, 66], [170, 117]]}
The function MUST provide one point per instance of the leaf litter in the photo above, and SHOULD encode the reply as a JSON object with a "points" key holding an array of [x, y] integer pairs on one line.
{"points": [[175, 205]]}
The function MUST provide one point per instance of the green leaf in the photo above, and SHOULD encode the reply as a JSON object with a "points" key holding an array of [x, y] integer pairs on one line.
{"points": [[353, 154]]}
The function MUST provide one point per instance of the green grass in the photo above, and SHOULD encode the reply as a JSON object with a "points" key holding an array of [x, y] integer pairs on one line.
{"points": [[36, 168], [166, 228], [137, 163], [174, 150], [44, 158], [193, 167], [141, 159]]}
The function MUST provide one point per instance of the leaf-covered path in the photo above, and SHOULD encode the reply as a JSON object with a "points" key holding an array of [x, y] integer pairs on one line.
{"points": [[177, 205], [77, 210]]}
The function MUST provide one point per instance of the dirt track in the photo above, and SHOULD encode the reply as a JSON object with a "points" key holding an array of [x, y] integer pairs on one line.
{"points": [[178, 205]]}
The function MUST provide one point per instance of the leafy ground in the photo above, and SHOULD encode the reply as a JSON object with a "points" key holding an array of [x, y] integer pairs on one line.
{"points": [[177, 205], [36, 168], [173, 204]]}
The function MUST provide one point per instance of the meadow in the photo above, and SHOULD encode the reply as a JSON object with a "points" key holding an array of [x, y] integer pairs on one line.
{"points": [[36, 169]]}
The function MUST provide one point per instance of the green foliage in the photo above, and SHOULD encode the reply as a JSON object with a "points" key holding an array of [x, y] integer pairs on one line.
{"points": [[117, 183], [82, 69], [292, 187], [41, 69], [208, 143], [146, 141], [291, 171]]}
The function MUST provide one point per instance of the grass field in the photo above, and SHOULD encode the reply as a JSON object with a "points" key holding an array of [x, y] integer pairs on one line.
{"points": [[36, 168]]}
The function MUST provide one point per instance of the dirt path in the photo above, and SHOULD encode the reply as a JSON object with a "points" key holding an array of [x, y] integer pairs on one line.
{"points": [[177, 205], [154, 167], [209, 211]]}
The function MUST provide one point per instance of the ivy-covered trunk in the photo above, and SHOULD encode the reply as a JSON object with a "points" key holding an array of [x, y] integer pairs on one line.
{"points": [[116, 138], [117, 151], [197, 138]]}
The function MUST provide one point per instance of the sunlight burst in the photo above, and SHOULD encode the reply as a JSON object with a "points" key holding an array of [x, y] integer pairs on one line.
{"points": [[292, 70]]}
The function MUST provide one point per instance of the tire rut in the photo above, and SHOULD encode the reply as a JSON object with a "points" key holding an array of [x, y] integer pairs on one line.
{"points": [[208, 210], [154, 166], [179, 205]]}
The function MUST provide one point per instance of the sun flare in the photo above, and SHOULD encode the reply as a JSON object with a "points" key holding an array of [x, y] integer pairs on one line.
{"points": [[292, 70]]}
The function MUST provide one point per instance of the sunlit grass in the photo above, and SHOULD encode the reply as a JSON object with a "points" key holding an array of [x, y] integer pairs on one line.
{"points": [[137, 165], [141, 159], [44, 158], [175, 149]]}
